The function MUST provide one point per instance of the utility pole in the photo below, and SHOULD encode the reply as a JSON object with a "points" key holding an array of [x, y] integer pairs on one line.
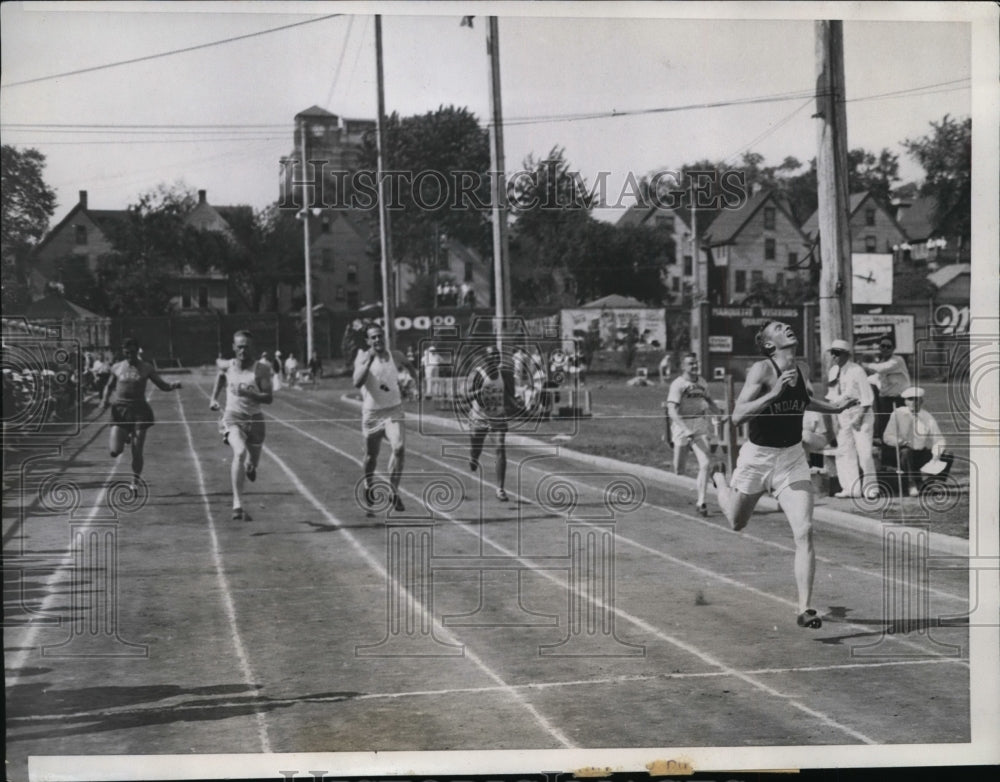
{"points": [[385, 236], [836, 321], [501, 275], [305, 215]]}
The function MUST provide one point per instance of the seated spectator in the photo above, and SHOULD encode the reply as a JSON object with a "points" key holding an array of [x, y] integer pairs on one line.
{"points": [[915, 436]]}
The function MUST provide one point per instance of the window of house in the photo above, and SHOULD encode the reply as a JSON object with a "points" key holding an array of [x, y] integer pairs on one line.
{"points": [[203, 297], [779, 280], [769, 249], [688, 266], [468, 271], [340, 293], [353, 300], [869, 217], [769, 218], [81, 234], [327, 259], [756, 276], [870, 244], [186, 297], [352, 272], [675, 283], [665, 221], [740, 281], [444, 260], [793, 259]]}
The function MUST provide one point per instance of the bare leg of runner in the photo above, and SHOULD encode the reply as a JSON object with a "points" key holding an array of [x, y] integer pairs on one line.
{"points": [[796, 500], [138, 444], [237, 471], [736, 506], [116, 440], [703, 452], [501, 465]]}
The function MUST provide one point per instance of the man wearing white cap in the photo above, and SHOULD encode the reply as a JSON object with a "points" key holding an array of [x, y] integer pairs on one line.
{"points": [[856, 425], [916, 437]]}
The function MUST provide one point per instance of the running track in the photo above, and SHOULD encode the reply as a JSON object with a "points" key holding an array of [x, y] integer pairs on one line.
{"points": [[243, 637]]}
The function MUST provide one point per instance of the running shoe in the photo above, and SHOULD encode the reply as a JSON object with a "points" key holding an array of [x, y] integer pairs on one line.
{"points": [[502, 495], [397, 504], [703, 509], [251, 471]]}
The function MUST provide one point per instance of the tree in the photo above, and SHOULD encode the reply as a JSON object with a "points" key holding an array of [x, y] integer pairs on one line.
{"points": [[27, 204], [427, 154], [946, 157]]}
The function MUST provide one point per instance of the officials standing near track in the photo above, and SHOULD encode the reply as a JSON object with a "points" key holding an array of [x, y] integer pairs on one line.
{"points": [[376, 374], [772, 401], [248, 385], [856, 425], [131, 415]]}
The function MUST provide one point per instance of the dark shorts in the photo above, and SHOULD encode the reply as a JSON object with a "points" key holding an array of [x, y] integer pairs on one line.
{"points": [[132, 415]]}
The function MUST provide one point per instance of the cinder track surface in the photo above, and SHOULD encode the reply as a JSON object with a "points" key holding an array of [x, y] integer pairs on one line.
{"points": [[279, 634]]}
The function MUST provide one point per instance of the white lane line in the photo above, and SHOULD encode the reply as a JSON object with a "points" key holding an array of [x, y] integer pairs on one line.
{"points": [[922, 648], [705, 657], [440, 630], [187, 703], [63, 568], [220, 575]]}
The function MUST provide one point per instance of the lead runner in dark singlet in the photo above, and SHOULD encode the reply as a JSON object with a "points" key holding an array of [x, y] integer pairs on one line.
{"points": [[772, 401]]}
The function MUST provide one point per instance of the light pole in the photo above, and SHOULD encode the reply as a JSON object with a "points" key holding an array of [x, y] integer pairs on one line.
{"points": [[304, 217]]}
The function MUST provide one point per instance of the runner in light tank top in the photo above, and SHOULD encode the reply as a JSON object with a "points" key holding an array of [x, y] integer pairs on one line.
{"points": [[773, 400]]}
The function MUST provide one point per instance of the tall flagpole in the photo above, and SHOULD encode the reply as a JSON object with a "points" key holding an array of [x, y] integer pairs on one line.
{"points": [[385, 236], [501, 275]]}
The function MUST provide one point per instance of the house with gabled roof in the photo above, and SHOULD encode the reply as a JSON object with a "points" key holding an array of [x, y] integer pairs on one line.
{"points": [[925, 237], [85, 234], [759, 240], [80, 238], [873, 226], [679, 273]]}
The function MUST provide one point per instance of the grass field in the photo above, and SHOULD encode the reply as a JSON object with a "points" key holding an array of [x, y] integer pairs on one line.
{"points": [[628, 424]]}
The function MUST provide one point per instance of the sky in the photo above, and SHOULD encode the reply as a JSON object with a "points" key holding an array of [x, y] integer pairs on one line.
{"points": [[220, 117]]}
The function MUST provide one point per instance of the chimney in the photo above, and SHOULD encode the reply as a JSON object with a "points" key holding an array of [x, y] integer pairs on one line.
{"points": [[83, 199], [202, 195]]}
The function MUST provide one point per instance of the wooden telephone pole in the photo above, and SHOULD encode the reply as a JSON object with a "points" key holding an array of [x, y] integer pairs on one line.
{"points": [[831, 173], [501, 251], [385, 230]]}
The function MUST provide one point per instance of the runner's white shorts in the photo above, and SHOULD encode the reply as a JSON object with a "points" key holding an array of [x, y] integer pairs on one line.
{"points": [[387, 421], [760, 468]]}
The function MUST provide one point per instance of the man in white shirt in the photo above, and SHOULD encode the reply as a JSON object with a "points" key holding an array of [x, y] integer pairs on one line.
{"points": [[856, 425], [690, 407], [893, 377], [376, 374], [913, 433]]}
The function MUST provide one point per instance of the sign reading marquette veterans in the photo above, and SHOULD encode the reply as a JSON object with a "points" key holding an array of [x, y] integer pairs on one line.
{"points": [[732, 329]]}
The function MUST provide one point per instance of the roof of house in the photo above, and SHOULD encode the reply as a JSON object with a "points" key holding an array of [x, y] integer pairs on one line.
{"points": [[614, 300], [55, 307], [918, 220], [946, 274], [315, 111], [811, 226], [727, 226], [103, 218]]}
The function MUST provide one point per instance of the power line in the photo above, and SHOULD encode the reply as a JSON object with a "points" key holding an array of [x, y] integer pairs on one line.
{"points": [[340, 62], [167, 54]]}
